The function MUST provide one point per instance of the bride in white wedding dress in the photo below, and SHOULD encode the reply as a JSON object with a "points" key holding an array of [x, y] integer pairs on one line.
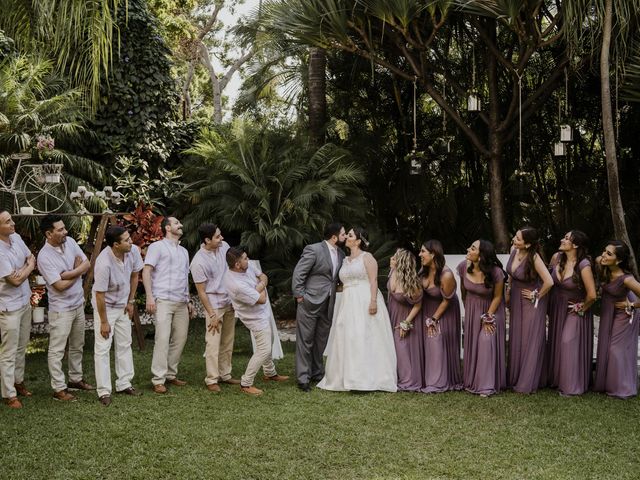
{"points": [[360, 351]]}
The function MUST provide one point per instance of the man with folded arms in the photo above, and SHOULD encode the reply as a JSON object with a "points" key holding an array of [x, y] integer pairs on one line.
{"points": [[208, 268], [16, 264], [247, 290], [62, 263], [114, 289], [166, 283]]}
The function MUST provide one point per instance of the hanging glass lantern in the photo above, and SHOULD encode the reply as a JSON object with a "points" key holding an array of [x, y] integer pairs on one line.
{"points": [[473, 103], [416, 167], [559, 149], [566, 133]]}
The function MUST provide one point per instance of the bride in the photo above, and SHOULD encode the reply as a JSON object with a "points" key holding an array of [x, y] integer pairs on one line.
{"points": [[360, 351]]}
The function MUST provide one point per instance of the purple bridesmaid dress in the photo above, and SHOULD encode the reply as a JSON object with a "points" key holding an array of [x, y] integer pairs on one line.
{"points": [[409, 350], [441, 352], [616, 366], [526, 332], [484, 363], [570, 343]]}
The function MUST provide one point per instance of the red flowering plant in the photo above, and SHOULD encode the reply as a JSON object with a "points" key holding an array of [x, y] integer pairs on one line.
{"points": [[37, 294], [144, 225]]}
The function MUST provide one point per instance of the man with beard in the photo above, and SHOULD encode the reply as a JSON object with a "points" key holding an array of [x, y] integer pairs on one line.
{"points": [[62, 263], [314, 284], [166, 283]]}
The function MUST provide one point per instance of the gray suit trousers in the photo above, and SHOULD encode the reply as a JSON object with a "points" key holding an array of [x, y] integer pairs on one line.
{"points": [[312, 332]]}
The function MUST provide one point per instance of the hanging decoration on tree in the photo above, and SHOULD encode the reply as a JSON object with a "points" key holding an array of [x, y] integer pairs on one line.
{"points": [[474, 103], [566, 132], [415, 157]]}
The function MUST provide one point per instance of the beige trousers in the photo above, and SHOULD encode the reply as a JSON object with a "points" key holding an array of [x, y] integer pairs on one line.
{"points": [[219, 347], [121, 336], [172, 326], [15, 328], [65, 326], [261, 358]]}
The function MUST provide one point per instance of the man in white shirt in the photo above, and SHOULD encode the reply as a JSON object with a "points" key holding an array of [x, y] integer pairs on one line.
{"points": [[208, 268], [62, 263], [16, 264], [166, 283], [247, 290], [114, 289]]}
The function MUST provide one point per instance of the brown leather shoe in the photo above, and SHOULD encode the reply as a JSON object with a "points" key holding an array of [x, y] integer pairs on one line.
{"points": [[231, 381], [105, 400], [214, 387], [13, 402], [256, 392], [276, 378], [64, 396], [130, 391], [22, 390], [81, 385], [177, 382], [160, 388]]}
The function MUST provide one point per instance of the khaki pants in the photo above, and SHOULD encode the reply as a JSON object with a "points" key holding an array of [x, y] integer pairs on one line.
{"points": [[65, 326], [121, 334], [15, 328], [219, 347], [261, 358], [172, 326]]}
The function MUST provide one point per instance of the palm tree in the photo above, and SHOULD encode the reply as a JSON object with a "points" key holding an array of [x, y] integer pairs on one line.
{"points": [[77, 33], [610, 29]]}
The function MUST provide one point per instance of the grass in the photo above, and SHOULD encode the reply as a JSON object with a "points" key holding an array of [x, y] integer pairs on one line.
{"points": [[192, 433]]}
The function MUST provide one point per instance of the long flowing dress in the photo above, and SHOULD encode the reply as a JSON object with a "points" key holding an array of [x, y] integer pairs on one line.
{"points": [[616, 366], [570, 342], [409, 350], [527, 323], [442, 351], [360, 352], [485, 370]]}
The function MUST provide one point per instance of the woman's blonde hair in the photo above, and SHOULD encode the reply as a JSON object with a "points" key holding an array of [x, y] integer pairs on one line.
{"points": [[406, 272]]}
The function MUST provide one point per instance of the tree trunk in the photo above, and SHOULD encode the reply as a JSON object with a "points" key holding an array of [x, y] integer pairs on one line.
{"points": [[317, 95], [496, 185], [615, 200]]}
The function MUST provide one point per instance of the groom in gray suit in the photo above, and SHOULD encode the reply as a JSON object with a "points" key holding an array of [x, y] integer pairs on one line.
{"points": [[314, 287]]}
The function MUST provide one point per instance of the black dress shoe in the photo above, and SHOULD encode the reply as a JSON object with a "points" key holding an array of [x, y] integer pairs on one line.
{"points": [[305, 387], [317, 378]]}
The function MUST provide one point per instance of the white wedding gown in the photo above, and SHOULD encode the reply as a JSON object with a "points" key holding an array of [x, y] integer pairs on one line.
{"points": [[360, 351]]}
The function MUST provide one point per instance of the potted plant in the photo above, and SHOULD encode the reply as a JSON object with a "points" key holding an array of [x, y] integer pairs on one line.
{"points": [[37, 294]]}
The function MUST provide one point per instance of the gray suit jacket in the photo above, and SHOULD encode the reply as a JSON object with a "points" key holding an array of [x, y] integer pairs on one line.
{"points": [[313, 276]]}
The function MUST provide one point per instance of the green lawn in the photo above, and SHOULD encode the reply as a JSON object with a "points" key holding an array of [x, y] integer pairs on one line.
{"points": [[192, 433]]}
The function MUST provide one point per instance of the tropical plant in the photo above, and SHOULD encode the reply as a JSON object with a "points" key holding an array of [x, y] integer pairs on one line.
{"points": [[262, 183], [145, 226], [79, 35]]}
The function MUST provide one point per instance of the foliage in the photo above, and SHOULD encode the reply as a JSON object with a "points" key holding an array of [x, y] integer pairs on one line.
{"points": [[79, 35], [137, 114], [260, 182], [145, 226]]}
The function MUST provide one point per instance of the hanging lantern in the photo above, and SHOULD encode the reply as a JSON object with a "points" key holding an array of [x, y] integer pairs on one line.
{"points": [[473, 103], [559, 149], [566, 133], [416, 167]]}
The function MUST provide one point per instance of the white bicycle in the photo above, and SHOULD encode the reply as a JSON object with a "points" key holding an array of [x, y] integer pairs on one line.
{"points": [[40, 186]]}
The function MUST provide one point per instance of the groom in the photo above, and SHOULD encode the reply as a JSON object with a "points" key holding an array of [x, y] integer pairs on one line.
{"points": [[314, 287]]}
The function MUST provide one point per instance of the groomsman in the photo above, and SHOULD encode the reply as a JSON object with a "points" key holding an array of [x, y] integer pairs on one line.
{"points": [[314, 284], [247, 290], [166, 283], [114, 289], [208, 268], [16, 264], [62, 263]]}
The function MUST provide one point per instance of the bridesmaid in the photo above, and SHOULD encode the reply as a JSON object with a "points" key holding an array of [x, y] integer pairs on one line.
{"points": [[404, 300], [570, 342], [527, 288], [441, 321], [616, 367], [482, 285]]}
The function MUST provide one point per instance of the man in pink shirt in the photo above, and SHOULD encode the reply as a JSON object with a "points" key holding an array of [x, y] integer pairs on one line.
{"points": [[208, 268], [248, 293], [62, 263], [16, 264]]}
